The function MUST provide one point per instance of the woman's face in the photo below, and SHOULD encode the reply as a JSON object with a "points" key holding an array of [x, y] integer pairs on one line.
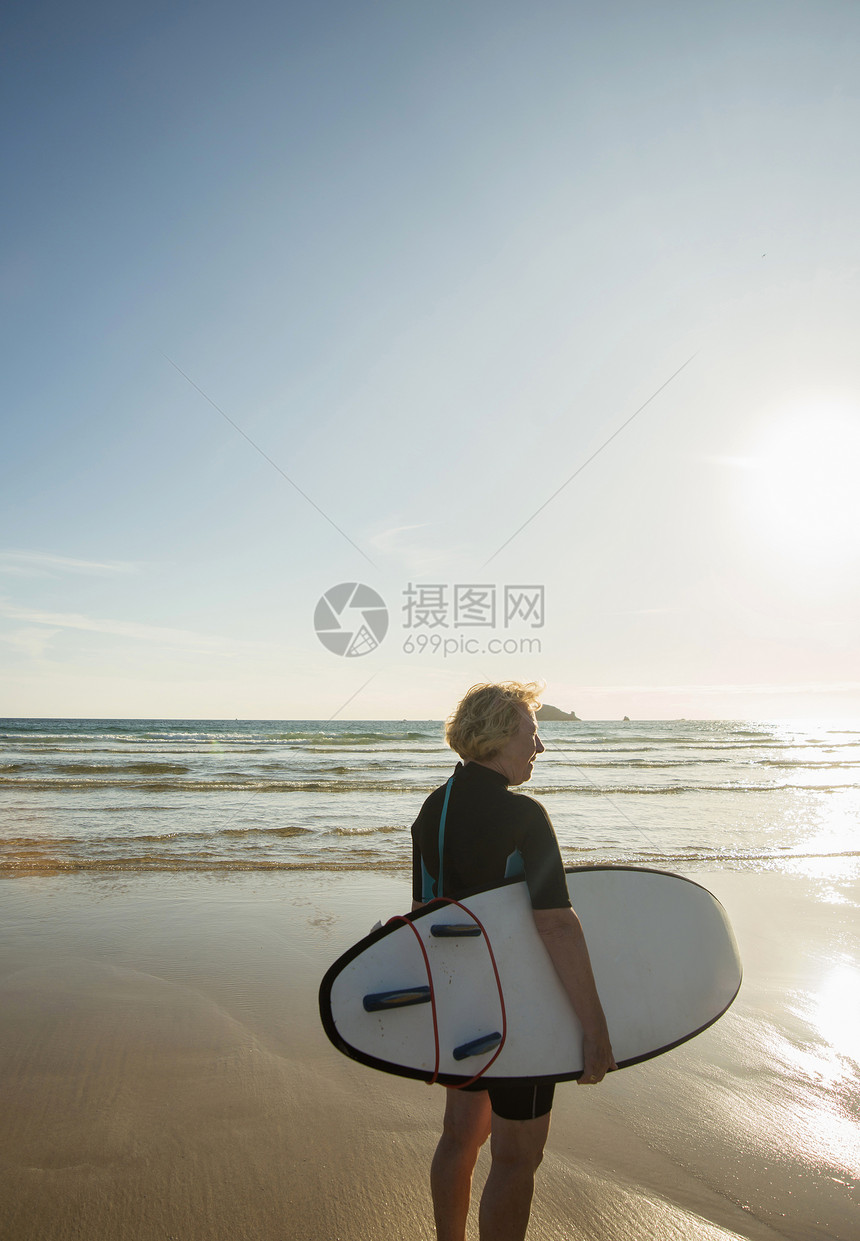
{"points": [[517, 756]]}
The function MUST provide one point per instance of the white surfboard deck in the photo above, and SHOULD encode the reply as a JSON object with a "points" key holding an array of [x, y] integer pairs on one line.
{"points": [[661, 947]]}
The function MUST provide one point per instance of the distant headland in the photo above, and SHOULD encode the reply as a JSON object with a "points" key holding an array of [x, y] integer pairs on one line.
{"points": [[547, 712]]}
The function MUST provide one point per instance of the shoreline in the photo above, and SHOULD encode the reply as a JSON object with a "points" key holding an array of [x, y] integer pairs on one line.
{"points": [[165, 1074]]}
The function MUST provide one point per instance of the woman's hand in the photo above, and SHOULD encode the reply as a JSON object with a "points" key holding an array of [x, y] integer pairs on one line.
{"points": [[597, 1058]]}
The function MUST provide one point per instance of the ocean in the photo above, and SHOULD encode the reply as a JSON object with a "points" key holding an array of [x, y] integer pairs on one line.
{"points": [[245, 795]]}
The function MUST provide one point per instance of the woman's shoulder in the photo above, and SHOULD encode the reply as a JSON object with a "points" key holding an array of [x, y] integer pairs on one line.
{"points": [[527, 810]]}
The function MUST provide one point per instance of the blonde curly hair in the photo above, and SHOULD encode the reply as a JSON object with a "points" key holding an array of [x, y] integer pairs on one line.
{"points": [[488, 716]]}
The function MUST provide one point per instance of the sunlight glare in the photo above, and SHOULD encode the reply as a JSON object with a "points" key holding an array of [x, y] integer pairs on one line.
{"points": [[805, 465], [836, 1011]]}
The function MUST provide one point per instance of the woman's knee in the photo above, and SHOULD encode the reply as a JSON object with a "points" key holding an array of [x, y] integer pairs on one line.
{"points": [[467, 1120], [519, 1144]]}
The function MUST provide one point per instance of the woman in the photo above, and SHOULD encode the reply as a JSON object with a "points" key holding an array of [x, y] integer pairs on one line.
{"points": [[490, 834]]}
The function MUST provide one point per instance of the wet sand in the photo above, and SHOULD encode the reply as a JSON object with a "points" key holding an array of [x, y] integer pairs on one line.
{"points": [[163, 1074]]}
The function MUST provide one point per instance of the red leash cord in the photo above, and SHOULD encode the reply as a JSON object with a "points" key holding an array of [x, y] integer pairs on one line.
{"points": [[447, 900], [417, 934]]}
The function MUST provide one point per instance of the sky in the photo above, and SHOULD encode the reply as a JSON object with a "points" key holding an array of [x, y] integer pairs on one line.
{"points": [[538, 321]]}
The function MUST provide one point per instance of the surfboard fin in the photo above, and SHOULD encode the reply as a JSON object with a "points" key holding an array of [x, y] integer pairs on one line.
{"points": [[403, 997], [477, 1046], [450, 930]]}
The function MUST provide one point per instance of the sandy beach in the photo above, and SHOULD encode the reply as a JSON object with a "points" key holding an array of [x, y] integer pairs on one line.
{"points": [[164, 1075]]}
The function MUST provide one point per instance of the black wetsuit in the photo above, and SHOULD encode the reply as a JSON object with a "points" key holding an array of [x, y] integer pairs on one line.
{"points": [[490, 834]]}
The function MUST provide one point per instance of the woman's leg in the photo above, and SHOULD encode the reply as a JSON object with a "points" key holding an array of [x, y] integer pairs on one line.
{"points": [[466, 1128], [517, 1149]]}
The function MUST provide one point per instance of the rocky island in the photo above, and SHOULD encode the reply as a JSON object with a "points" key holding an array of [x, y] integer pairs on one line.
{"points": [[548, 712]]}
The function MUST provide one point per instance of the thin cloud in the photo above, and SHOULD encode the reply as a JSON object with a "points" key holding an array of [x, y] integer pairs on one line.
{"points": [[184, 638], [33, 642], [19, 563], [392, 539], [401, 544]]}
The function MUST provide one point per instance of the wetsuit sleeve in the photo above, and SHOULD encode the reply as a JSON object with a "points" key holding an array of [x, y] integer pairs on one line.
{"points": [[544, 869]]}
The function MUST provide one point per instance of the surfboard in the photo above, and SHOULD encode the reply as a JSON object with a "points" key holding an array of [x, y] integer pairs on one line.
{"points": [[449, 991]]}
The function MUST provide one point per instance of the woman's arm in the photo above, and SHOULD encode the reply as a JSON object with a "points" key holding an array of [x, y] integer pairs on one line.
{"points": [[562, 936]]}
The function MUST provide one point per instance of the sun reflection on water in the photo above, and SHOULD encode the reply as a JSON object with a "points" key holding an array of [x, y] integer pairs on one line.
{"points": [[834, 1011], [823, 1060]]}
